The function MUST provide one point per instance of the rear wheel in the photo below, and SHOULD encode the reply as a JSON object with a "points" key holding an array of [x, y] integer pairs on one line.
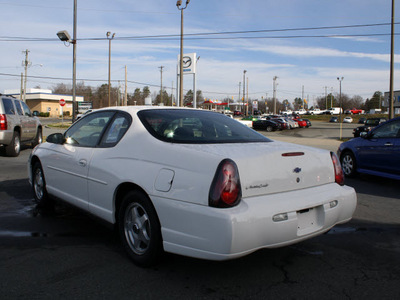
{"points": [[348, 163], [15, 146], [139, 229], [269, 128]]}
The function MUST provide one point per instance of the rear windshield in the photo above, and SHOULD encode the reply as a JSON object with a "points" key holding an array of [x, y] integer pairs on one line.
{"points": [[197, 127], [372, 122]]}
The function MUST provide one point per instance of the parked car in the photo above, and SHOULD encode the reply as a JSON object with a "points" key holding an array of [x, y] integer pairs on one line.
{"points": [[334, 110], [369, 124], [237, 113], [355, 111], [362, 120], [190, 182], [17, 125], [268, 125], [78, 116], [376, 152], [333, 120], [308, 122], [347, 120], [301, 122], [292, 124], [282, 122], [316, 111]]}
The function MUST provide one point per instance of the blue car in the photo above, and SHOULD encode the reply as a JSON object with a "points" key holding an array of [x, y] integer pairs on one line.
{"points": [[376, 152]]}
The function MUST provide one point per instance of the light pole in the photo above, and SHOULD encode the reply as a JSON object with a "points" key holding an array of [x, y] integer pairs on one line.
{"points": [[340, 106], [244, 90], [64, 37], [179, 6], [274, 90], [109, 37], [391, 93]]}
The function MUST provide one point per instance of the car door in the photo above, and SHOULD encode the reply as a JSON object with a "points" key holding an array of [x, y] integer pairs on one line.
{"points": [[381, 150], [22, 121], [103, 177], [67, 165], [28, 122]]}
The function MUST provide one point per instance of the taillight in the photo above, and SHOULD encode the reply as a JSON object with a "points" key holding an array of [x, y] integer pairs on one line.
{"points": [[225, 189], [3, 122], [339, 176]]}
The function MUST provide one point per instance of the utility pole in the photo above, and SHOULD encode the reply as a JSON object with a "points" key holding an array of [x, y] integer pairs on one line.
{"points": [[247, 98], [161, 89], [240, 84], [126, 87], [26, 63], [274, 88], [172, 94], [326, 98], [22, 86]]}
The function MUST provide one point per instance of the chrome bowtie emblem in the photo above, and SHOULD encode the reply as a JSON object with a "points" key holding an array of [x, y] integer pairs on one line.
{"points": [[297, 170]]}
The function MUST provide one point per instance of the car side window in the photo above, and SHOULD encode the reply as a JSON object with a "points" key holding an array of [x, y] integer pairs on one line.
{"points": [[8, 106], [117, 129], [389, 130], [18, 106], [88, 131], [27, 111]]}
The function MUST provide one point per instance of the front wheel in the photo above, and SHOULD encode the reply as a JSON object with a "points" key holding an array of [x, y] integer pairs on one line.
{"points": [[269, 128], [348, 163], [139, 229], [39, 186]]}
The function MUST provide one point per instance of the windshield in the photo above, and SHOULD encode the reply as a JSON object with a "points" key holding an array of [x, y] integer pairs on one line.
{"points": [[197, 127]]}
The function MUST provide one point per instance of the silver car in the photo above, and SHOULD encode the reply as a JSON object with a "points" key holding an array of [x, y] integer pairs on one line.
{"points": [[17, 125]]}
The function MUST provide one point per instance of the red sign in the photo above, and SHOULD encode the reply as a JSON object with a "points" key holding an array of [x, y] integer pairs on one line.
{"points": [[62, 102]]}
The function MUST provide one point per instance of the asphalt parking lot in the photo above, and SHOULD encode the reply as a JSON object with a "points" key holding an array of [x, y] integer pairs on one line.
{"points": [[64, 253]]}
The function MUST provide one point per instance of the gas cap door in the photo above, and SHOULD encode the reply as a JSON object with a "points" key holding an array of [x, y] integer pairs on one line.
{"points": [[164, 180]]}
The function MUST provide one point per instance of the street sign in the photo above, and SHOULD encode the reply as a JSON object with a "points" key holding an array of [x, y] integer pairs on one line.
{"points": [[62, 102]]}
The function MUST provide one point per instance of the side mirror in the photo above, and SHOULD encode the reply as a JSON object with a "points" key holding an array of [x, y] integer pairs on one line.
{"points": [[366, 135], [56, 138]]}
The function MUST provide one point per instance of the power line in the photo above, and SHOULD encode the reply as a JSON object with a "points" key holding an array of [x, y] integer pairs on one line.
{"points": [[205, 35]]}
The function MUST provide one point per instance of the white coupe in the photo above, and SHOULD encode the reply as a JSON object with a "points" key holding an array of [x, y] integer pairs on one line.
{"points": [[191, 182]]}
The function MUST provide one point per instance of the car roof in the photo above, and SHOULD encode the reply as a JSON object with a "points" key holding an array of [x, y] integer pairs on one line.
{"points": [[135, 109]]}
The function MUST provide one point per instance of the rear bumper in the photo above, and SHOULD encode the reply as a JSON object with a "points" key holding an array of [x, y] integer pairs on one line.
{"points": [[6, 137], [221, 234]]}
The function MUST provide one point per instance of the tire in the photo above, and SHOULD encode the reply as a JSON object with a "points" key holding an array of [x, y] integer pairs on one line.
{"points": [[348, 163], [139, 229], [269, 128], [39, 138], [15, 146], [39, 186]]}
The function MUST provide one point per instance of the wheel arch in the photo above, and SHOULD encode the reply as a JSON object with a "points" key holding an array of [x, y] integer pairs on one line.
{"points": [[121, 191], [34, 160], [18, 129]]}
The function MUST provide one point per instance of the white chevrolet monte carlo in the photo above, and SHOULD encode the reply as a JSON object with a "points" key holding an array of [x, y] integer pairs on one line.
{"points": [[191, 182]]}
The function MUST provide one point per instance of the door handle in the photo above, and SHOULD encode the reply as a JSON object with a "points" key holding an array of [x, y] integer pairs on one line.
{"points": [[388, 144], [82, 162]]}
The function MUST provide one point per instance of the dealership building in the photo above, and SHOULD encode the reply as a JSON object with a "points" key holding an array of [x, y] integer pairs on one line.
{"points": [[396, 102], [43, 100]]}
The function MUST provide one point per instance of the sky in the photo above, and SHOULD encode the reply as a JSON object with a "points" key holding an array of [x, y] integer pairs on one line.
{"points": [[306, 44]]}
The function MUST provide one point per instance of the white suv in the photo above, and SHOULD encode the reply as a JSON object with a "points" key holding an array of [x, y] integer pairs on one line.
{"points": [[17, 125]]}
